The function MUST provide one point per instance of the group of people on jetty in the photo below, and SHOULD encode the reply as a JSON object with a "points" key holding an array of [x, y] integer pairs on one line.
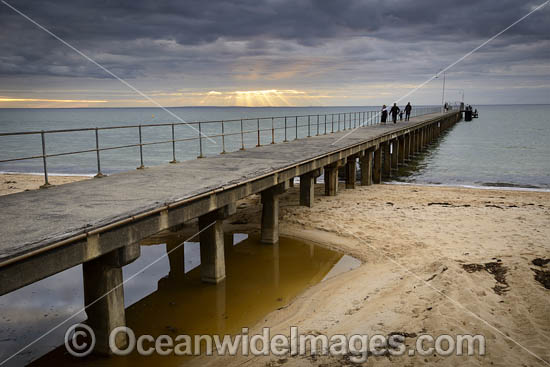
{"points": [[396, 111]]}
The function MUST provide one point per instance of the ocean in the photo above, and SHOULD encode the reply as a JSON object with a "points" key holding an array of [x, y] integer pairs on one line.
{"points": [[505, 147]]}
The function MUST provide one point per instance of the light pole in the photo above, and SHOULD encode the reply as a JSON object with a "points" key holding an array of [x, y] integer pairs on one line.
{"points": [[443, 93]]}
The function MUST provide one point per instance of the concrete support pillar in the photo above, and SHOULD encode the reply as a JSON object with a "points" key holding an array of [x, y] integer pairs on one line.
{"points": [[401, 151], [395, 153], [104, 295], [351, 172], [407, 146], [307, 189], [377, 172], [331, 179], [270, 213], [428, 135], [212, 247], [387, 159], [427, 140], [365, 161]]}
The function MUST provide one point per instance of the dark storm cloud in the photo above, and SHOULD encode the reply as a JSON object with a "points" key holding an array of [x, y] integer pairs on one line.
{"points": [[151, 38]]}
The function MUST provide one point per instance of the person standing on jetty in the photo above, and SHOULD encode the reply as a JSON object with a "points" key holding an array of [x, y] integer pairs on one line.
{"points": [[408, 109], [394, 112], [384, 115]]}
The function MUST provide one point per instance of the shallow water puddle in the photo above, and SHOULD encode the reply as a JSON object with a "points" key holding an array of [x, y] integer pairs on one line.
{"points": [[169, 297]]}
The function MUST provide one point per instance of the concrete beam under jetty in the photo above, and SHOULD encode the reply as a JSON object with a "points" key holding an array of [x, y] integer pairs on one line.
{"points": [[270, 213]]}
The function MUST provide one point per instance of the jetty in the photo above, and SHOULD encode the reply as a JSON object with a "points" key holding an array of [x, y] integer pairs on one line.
{"points": [[99, 223]]}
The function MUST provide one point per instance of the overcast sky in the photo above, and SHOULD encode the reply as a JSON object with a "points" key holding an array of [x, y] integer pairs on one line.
{"points": [[272, 52]]}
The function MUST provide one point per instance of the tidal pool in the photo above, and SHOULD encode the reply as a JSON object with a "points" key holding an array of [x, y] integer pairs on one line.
{"points": [[168, 297]]}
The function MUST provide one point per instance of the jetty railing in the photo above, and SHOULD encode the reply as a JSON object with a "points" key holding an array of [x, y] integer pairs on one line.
{"points": [[294, 127]]}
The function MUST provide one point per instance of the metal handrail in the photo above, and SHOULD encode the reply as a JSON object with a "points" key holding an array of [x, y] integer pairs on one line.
{"points": [[349, 120]]}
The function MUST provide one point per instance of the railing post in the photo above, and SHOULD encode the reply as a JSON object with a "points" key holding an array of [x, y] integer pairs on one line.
{"points": [[339, 121], [258, 126], [284, 141], [200, 141], [242, 135], [273, 130], [173, 146], [296, 120], [99, 174], [332, 123], [325, 124], [141, 166], [223, 137], [46, 182], [345, 118], [317, 125], [308, 126]]}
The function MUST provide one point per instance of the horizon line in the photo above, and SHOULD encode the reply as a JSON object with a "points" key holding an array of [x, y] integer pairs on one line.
{"points": [[236, 106]]}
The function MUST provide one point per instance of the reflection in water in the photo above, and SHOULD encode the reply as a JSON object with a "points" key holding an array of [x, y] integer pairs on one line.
{"points": [[169, 297]]}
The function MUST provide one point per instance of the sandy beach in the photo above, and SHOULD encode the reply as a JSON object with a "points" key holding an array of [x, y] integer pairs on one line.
{"points": [[437, 260], [10, 183]]}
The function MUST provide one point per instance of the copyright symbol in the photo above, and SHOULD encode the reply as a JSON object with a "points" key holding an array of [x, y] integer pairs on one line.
{"points": [[79, 340]]}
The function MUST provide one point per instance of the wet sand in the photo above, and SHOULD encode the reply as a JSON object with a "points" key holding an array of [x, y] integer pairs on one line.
{"points": [[10, 183], [421, 245]]}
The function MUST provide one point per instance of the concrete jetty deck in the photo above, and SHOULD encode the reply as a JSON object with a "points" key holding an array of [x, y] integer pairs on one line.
{"points": [[99, 222]]}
